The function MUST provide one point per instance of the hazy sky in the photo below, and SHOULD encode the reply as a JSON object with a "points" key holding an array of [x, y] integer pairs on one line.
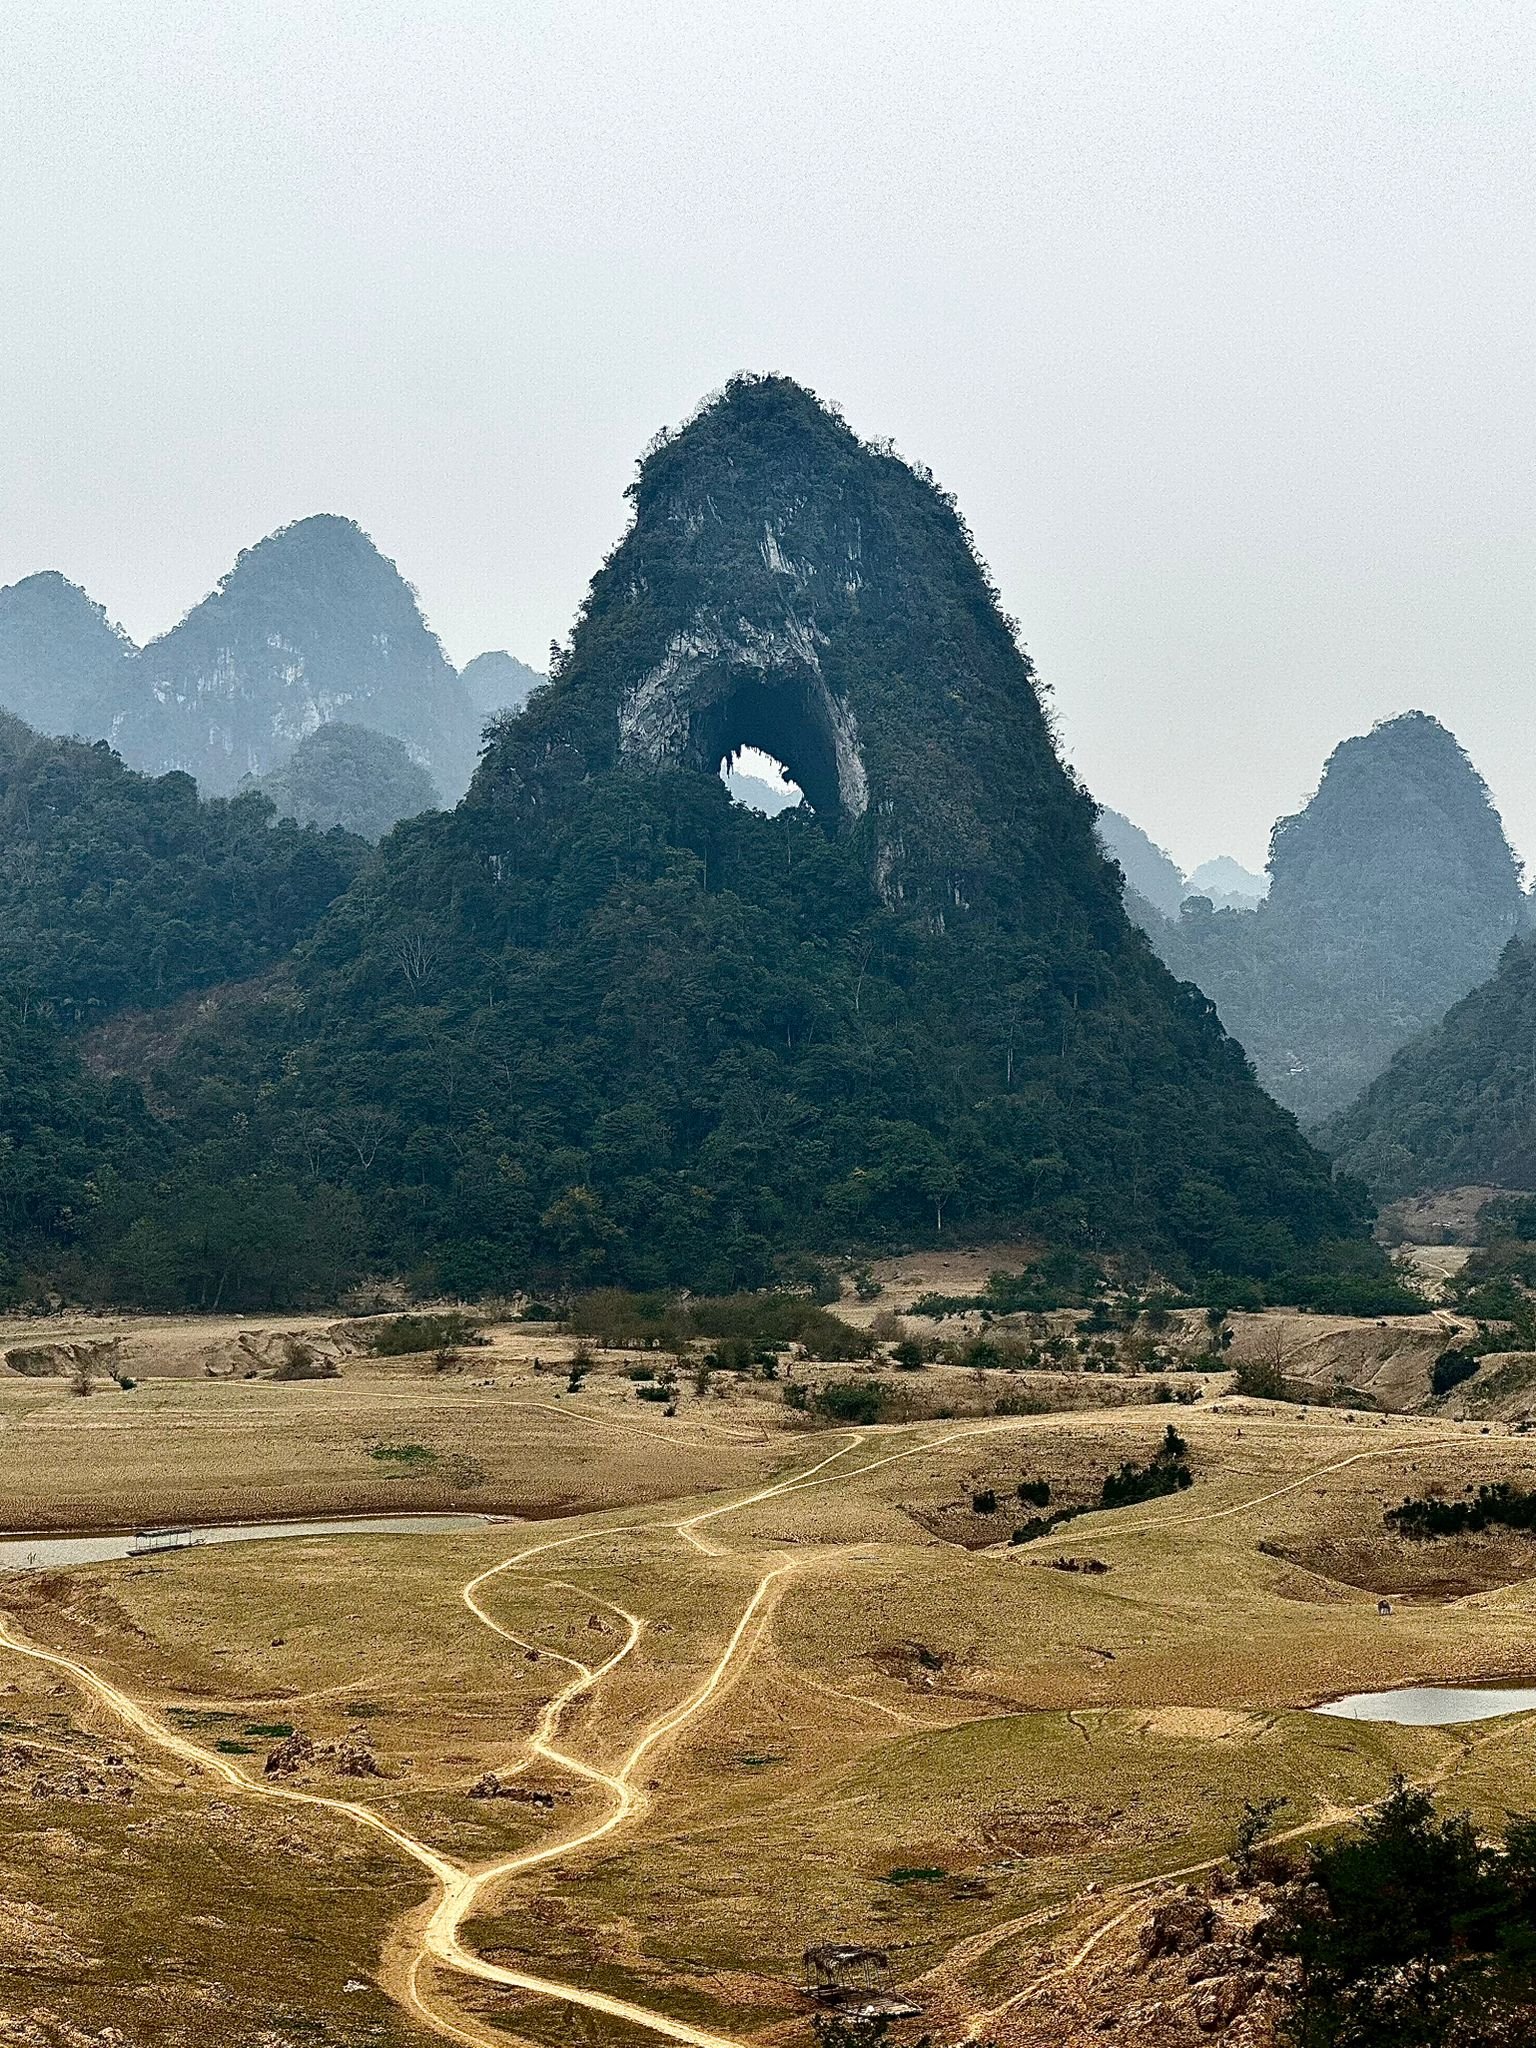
{"points": [[1218, 319]]}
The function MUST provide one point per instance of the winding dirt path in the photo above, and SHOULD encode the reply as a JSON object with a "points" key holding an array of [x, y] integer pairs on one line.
{"points": [[432, 1933]]}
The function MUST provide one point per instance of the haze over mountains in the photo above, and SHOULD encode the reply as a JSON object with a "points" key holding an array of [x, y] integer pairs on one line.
{"points": [[1157, 882], [1392, 893], [312, 626]]}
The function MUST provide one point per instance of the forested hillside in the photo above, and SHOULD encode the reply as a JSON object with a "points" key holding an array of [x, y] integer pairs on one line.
{"points": [[600, 1023], [1392, 894], [1458, 1105], [71, 1149], [119, 889], [348, 776]]}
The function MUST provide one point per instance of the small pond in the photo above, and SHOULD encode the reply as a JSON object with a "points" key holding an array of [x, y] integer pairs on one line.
{"points": [[42, 1553], [1432, 1706]]}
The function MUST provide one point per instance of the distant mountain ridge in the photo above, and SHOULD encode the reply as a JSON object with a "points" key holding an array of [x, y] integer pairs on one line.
{"points": [[1148, 869], [310, 627], [497, 681], [63, 664], [1227, 884], [1392, 893], [1458, 1105]]}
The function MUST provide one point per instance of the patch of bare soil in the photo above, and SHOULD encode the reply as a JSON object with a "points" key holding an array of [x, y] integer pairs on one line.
{"points": [[139, 1044], [1447, 1569], [1059, 1827], [919, 1666], [1446, 1216]]}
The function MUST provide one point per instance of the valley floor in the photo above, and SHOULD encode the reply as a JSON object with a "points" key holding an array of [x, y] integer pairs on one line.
{"points": [[722, 1688]]}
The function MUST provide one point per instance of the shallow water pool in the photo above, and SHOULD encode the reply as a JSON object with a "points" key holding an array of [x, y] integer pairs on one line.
{"points": [[43, 1553], [1432, 1706]]}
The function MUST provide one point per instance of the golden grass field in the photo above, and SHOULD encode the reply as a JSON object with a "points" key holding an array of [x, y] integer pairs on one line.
{"points": [[820, 1702]]}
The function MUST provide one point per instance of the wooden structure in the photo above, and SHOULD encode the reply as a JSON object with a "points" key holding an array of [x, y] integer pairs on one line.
{"points": [[855, 1981], [147, 1541]]}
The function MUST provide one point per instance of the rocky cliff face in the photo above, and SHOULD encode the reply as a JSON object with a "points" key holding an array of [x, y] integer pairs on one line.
{"points": [[312, 626], [63, 664]]}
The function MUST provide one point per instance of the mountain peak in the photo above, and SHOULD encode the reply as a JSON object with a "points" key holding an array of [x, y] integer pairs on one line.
{"points": [[312, 625], [60, 655], [787, 586], [1391, 894]]}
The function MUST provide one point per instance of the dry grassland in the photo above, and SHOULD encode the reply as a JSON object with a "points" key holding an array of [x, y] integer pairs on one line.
{"points": [[947, 1746]]}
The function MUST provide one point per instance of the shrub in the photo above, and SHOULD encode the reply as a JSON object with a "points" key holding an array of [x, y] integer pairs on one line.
{"points": [[1165, 1472], [1413, 1932], [1451, 1368], [1263, 1382], [1037, 1492], [984, 1502], [1500, 1506], [401, 1336], [851, 1401], [300, 1361]]}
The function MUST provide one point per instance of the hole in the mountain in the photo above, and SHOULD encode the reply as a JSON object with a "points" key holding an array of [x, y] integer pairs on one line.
{"points": [[759, 781], [776, 717]]}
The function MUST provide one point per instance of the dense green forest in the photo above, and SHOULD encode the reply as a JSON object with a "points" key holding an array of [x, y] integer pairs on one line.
{"points": [[119, 889], [351, 777], [70, 1147], [1392, 893], [1458, 1106]]}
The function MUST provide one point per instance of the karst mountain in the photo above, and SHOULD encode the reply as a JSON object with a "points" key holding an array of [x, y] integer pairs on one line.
{"points": [[312, 626], [1152, 877], [1392, 893], [1456, 1107], [64, 667], [599, 1023]]}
